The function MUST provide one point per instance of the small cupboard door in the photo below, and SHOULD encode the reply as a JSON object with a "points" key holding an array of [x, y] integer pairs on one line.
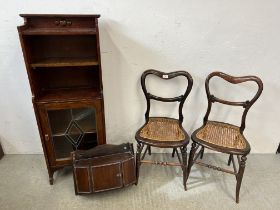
{"points": [[106, 177], [71, 126]]}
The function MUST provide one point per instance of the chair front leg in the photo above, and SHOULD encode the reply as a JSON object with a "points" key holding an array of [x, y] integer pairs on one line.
{"points": [[191, 157], [240, 176], [184, 165], [138, 160]]}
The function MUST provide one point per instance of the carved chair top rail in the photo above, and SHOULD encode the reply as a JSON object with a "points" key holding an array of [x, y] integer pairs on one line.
{"points": [[233, 80], [166, 76]]}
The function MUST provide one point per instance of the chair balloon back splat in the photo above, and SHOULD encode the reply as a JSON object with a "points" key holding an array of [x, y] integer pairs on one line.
{"points": [[224, 137], [163, 132]]}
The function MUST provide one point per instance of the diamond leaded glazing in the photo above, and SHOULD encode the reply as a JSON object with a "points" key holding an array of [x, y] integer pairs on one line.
{"points": [[74, 133], [72, 129]]}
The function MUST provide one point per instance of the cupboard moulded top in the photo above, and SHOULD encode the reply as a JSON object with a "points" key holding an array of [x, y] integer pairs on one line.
{"points": [[58, 24], [59, 15]]}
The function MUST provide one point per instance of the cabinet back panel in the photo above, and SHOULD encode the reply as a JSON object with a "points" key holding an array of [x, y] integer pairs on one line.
{"points": [[44, 47], [67, 77]]}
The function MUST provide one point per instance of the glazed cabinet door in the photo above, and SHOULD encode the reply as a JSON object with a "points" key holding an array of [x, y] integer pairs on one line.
{"points": [[70, 126]]}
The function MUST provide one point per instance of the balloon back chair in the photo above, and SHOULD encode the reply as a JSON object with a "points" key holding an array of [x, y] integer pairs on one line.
{"points": [[224, 137], [163, 132]]}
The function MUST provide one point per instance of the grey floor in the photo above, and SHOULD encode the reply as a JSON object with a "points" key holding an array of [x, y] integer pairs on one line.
{"points": [[24, 185]]}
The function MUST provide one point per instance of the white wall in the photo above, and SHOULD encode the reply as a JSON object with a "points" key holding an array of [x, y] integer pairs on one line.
{"points": [[238, 37]]}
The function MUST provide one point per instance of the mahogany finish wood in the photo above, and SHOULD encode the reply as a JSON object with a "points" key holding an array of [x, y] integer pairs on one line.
{"points": [[103, 168], [63, 64], [175, 144], [201, 143]]}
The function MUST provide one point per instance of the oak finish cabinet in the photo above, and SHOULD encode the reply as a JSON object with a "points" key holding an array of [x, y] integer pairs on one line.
{"points": [[62, 59]]}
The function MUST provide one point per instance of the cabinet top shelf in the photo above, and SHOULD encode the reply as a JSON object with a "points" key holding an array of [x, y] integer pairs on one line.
{"points": [[64, 62], [69, 95]]}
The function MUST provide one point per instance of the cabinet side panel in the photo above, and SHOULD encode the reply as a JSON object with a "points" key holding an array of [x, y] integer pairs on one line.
{"points": [[100, 122], [129, 176], [82, 179], [37, 111]]}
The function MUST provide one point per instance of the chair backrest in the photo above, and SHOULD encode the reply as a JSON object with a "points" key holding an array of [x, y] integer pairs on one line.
{"points": [[234, 80], [166, 76]]}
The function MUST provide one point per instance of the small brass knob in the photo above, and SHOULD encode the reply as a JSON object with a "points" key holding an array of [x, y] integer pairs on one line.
{"points": [[62, 23], [47, 137]]}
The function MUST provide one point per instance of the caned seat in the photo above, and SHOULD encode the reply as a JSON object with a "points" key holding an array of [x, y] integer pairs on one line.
{"points": [[163, 129], [163, 132], [224, 137]]}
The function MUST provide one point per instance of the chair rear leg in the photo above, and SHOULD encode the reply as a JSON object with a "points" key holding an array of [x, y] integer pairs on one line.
{"points": [[145, 152], [191, 157], [230, 159], [149, 150], [173, 152], [202, 152], [240, 176]]}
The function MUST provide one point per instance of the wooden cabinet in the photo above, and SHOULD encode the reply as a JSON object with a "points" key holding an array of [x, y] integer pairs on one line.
{"points": [[62, 58], [112, 168]]}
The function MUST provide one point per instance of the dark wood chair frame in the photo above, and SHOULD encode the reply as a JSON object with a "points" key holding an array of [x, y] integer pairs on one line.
{"points": [[237, 152], [1, 152], [175, 145]]}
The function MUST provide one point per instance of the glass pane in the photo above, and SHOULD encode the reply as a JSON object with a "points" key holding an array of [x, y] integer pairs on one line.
{"points": [[62, 147], [89, 141], [72, 129], [85, 119], [59, 120]]}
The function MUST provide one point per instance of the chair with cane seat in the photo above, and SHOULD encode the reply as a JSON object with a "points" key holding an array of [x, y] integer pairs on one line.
{"points": [[163, 132], [224, 137]]}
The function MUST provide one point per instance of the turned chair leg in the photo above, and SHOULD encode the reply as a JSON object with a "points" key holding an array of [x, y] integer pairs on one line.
{"points": [[230, 159], [202, 152], [240, 176], [191, 157], [184, 165], [138, 157]]}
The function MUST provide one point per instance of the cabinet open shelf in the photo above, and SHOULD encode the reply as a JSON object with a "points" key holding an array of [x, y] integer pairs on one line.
{"points": [[64, 62], [68, 94], [63, 134]]}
